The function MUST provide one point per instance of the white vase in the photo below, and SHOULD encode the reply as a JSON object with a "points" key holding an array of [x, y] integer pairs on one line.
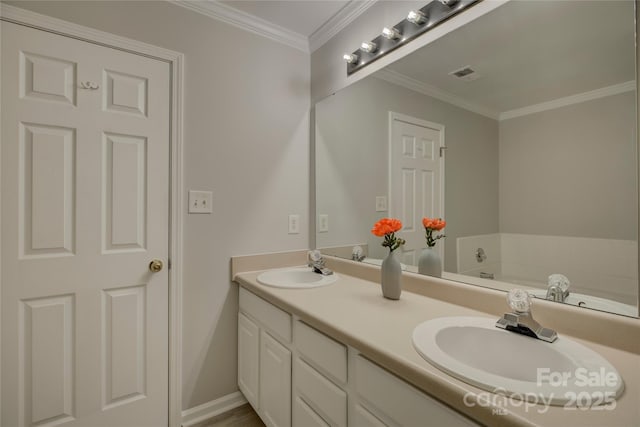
{"points": [[430, 263], [391, 272]]}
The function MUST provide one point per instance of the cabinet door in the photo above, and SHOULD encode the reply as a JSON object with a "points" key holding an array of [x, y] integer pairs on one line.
{"points": [[275, 382], [248, 359]]}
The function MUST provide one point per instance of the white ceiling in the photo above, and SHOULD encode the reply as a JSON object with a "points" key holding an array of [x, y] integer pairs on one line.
{"points": [[301, 16], [526, 52], [530, 52]]}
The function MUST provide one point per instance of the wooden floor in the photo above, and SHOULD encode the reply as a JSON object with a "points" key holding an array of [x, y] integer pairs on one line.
{"points": [[242, 416]]}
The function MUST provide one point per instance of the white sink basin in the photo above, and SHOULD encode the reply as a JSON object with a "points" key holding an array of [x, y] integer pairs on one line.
{"points": [[596, 303], [473, 350], [295, 277]]}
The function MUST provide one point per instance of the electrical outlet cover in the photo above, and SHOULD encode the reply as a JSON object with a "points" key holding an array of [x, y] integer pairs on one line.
{"points": [[294, 224], [323, 223]]}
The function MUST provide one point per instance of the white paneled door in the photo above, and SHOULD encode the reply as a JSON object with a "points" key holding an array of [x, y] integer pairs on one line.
{"points": [[85, 202], [416, 180]]}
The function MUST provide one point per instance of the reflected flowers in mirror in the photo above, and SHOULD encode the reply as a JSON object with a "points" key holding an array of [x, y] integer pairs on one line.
{"points": [[432, 225]]}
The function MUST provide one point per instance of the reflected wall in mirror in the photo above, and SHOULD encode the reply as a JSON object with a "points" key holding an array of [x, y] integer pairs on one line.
{"points": [[540, 167]]}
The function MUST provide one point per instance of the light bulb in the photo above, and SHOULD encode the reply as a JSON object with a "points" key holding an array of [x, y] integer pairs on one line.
{"points": [[369, 47], [350, 58], [391, 33], [416, 17]]}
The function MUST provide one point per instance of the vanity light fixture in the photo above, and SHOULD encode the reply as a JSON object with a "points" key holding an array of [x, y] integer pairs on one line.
{"points": [[416, 17], [369, 47], [391, 33], [350, 58], [403, 32]]}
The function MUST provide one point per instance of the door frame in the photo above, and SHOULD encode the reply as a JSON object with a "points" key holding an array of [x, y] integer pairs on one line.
{"points": [[176, 194], [441, 148]]}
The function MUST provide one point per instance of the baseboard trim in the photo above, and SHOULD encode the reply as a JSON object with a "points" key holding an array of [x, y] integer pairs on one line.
{"points": [[211, 409]]}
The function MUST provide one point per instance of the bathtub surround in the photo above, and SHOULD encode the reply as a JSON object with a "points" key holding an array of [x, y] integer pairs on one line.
{"points": [[587, 262]]}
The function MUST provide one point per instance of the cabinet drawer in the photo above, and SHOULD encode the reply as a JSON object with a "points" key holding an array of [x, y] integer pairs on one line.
{"points": [[364, 418], [303, 415], [276, 320], [329, 355], [387, 395], [321, 394]]}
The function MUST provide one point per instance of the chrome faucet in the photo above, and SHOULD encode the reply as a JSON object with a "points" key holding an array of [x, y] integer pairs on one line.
{"points": [[317, 263], [521, 320], [558, 288], [480, 255]]}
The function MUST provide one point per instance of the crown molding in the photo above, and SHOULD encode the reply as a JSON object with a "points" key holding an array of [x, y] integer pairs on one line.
{"points": [[570, 100], [222, 12], [338, 22], [432, 91]]}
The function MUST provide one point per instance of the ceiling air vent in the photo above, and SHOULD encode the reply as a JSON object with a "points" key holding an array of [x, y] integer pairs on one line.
{"points": [[465, 73]]}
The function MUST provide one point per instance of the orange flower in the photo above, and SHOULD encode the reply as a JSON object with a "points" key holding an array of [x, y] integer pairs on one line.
{"points": [[434, 223], [386, 226]]}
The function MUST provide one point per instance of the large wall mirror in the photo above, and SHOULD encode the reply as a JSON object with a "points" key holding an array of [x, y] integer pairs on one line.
{"points": [[535, 103]]}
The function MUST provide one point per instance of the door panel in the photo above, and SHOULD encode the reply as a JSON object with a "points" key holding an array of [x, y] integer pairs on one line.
{"points": [[47, 190], [124, 192], [85, 178], [415, 187], [47, 344]]}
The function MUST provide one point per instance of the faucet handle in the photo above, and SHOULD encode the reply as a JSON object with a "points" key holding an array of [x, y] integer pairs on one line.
{"points": [[519, 300], [559, 280], [315, 255]]}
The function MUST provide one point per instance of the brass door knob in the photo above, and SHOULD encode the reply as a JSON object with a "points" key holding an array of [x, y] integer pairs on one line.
{"points": [[155, 266]]}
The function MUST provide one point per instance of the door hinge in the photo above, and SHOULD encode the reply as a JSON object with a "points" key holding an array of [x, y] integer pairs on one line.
{"points": [[442, 149]]}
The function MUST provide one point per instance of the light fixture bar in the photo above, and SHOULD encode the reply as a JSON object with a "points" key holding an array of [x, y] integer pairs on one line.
{"points": [[369, 47], [416, 23], [416, 17], [350, 58], [391, 33]]}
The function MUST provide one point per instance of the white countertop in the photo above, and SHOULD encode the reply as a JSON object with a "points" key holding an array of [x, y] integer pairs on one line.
{"points": [[354, 312]]}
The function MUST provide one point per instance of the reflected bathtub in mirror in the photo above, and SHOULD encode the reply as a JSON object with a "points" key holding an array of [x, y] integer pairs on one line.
{"points": [[540, 166]]}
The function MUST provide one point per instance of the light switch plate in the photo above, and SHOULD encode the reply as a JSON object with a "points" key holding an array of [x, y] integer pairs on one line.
{"points": [[200, 202], [323, 223], [381, 203]]}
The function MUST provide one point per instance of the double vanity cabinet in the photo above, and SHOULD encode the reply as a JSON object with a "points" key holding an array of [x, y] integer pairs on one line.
{"points": [[294, 375]]}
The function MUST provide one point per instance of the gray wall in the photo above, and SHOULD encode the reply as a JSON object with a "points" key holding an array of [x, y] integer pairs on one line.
{"points": [[252, 155], [352, 163], [571, 171]]}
